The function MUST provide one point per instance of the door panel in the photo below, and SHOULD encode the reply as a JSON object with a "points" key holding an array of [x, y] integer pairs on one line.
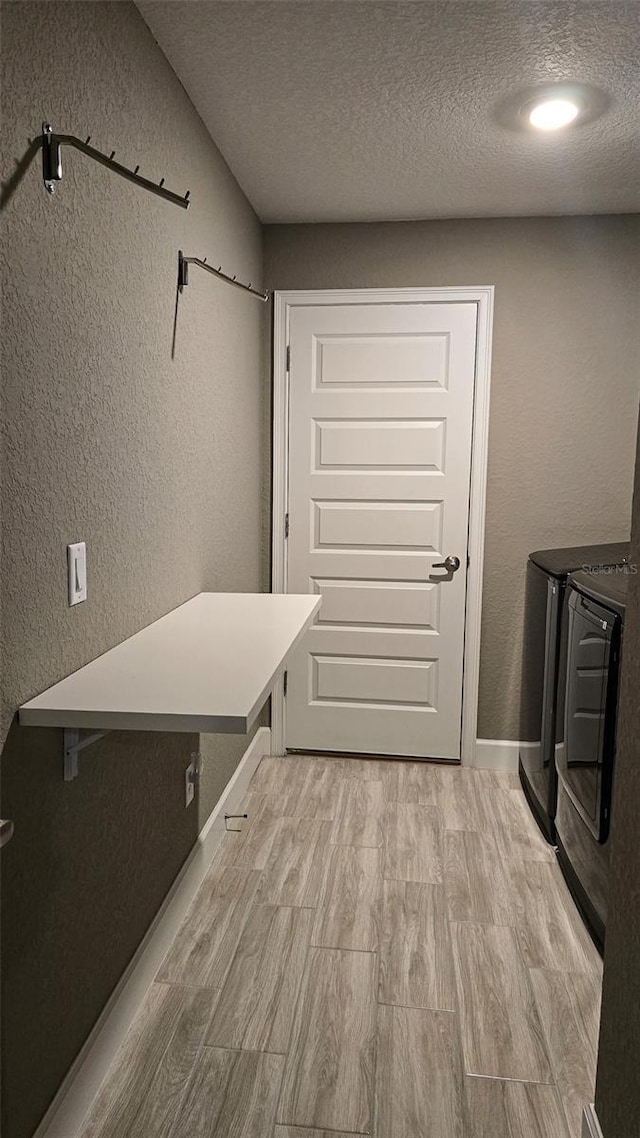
{"points": [[355, 680], [375, 443], [409, 604], [380, 419], [350, 360], [378, 525]]}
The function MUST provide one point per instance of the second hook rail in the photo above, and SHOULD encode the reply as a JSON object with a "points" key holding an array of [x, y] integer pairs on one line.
{"points": [[183, 275]]}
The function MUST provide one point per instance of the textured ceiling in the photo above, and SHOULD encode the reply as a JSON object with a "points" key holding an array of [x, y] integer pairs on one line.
{"points": [[340, 110]]}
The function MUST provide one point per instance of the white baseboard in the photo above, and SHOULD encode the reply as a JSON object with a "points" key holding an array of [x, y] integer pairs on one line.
{"points": [[77, 1092], [497, 754], [590, 1126]]}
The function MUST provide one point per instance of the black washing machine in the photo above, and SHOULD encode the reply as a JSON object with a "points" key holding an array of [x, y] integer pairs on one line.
{"points": [[591, 652], [547, 573]]}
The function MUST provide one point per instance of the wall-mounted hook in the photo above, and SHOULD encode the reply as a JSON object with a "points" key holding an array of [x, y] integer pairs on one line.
{"points": [[183, 275], [52, 167]]}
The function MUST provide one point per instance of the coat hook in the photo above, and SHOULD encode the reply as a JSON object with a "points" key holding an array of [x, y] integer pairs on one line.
{"points": [[52, 167], [161, 182], [187, 194], [204, 260]]}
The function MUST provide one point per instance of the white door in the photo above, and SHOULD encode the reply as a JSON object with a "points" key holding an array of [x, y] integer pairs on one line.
{"points": [[380, 424]]}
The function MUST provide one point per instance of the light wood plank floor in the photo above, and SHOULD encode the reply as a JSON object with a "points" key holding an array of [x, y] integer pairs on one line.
{"points": [[386, 950]]}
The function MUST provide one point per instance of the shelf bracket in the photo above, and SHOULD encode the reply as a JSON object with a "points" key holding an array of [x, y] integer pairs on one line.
{"points": [[72, 746]]}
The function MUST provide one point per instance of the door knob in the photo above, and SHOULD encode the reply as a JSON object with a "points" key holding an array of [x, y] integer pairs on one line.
{"points": [[451, 564]]}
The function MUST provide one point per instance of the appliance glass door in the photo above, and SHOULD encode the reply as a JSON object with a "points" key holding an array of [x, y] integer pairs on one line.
{"points": [[581, 758]]}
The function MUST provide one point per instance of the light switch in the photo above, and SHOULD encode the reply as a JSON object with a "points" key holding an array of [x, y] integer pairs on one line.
{"points": [[77, 571]]}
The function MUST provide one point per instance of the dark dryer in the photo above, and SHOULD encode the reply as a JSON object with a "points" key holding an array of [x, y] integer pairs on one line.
{"points": [[586, 736], [547, 573]]}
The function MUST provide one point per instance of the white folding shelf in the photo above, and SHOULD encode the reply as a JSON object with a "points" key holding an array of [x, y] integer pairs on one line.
{"points": [[207, 667]]}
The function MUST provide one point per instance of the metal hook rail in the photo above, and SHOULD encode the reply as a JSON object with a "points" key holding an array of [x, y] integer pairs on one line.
{"points": [[183, 275], [52, 165]]}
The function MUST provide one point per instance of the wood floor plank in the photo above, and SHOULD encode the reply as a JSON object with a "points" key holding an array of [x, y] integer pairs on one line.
{"points": [[359, 815], [499, 1109], [371, 770], [551, 932], [203, 949], [418, 783], [295, 868], [418, 1075], [478, 888], [319, 795], [355, 767], [278, 776], [257, 1003], [416, 966], [161, 1106], [516, 831], [232, 1093], [501, 1031], [412, 843], [300, 786], [349, 902], [145, 1087], [462, 801], [569, 1007], [328, 1079], [251, 845]]}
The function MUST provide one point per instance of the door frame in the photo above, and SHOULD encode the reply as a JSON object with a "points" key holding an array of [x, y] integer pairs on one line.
{"points": [[482, 296]]}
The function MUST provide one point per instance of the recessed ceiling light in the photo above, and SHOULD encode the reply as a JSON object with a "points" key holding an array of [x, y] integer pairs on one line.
{"points": [[553, 114], [549, 107]]}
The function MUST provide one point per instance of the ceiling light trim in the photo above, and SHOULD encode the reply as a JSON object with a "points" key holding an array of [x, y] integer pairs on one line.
{"points": [[514, 113]]}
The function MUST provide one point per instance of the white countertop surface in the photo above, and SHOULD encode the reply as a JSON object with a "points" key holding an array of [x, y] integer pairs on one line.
{"points": [[207, 666]]}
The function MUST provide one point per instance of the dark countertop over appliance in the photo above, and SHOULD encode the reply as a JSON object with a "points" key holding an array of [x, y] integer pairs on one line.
{"points": [[560, 562]]}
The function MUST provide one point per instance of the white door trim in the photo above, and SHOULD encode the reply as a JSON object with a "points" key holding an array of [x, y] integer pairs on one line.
{"points": [[483, 297]]}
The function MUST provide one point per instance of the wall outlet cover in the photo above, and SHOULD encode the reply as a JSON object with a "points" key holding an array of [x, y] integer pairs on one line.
{"points": [[77, 572], [191, 776]]}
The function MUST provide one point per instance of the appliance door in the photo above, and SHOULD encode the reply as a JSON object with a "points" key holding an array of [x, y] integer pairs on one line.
{"points": [[588, 715], [539, 671]]}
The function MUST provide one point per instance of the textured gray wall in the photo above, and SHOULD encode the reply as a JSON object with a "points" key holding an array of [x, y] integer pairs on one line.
{"points": [[618, 1087], [156, 463], [565, 383]]}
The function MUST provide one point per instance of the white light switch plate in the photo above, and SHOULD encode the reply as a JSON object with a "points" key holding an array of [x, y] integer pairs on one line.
{"points": [[77, 572]]}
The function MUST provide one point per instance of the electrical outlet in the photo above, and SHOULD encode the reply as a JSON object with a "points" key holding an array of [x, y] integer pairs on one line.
{"points": [[191, 775]]}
